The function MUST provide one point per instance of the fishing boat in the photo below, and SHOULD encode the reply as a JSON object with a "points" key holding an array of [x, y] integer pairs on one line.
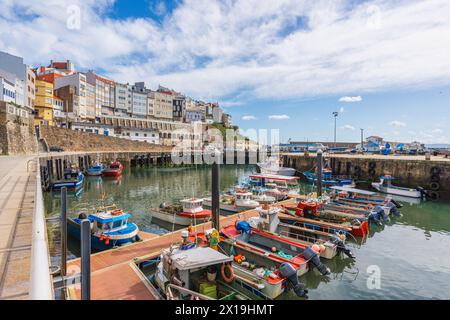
{"points": [[268, 221], [188, 272], [274, 167], [328, 179], [113, 170], [276, 248], [277, 186], [356, 224], [256, 272], [385, 186], [237, 202], [109, 228], [188, 212], [95, 170], [72, 180]]}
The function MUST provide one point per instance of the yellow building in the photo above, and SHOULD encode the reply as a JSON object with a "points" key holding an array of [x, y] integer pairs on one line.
{"points": [[44, 103]]}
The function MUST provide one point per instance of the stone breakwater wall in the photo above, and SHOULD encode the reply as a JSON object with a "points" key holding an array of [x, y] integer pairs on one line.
{"points": [[411, 172], [77, 141]]}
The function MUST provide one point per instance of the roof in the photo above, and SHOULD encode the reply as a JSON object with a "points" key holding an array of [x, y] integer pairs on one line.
{"points": [[108, 218], [198, 258]]}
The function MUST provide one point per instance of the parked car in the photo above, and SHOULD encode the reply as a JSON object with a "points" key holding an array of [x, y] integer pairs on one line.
{"points": [[56, 149]]}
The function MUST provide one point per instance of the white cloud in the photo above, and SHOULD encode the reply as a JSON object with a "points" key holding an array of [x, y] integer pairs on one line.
{"points": [[342, 110], [247, 118], [350, 99], [348, 127], [217, 49], [279, 117], [397, 124]]}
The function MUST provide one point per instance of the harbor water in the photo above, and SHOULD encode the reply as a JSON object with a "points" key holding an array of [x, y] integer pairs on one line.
{"points": [[407, 258]]}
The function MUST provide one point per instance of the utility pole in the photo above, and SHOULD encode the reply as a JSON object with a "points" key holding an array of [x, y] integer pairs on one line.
{"points": [[335, 114]]}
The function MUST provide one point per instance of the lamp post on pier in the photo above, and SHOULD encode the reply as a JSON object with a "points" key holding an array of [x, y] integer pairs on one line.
{"points": [[335, 115]]}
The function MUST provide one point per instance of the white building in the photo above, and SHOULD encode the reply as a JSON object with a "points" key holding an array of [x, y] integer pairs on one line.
{"points": [[146, 135], [7, 90], [15, 66], [123, 99], [217, 114], [139, 104]]}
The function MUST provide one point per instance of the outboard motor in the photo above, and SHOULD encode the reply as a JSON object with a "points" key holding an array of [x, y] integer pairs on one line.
{"points": [[381, 213], [314, 260], [162, 205], [423, 193], [374, 218], [397, 204], [393, 208], [288, 272]]}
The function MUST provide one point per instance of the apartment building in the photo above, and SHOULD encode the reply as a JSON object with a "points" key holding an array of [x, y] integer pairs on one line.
{"points": [[104, 94], [123, 100], [15, 66], [179, 108], [79, 82], [44, 103]]}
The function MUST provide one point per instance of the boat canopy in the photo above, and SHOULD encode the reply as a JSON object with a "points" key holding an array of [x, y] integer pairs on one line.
{"points": [[107, 218], [354, 190], [197, 258], [274, 177]]}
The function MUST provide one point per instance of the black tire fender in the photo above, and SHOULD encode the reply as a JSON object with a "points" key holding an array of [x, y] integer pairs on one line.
{"points": [[435, 186]]}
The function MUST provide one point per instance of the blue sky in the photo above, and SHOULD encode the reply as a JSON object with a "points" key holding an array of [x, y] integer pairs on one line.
{"points": [[284, 64]]}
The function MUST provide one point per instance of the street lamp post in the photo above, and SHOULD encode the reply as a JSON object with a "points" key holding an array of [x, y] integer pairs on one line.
{"points": [[335, 114], [362, 140]]}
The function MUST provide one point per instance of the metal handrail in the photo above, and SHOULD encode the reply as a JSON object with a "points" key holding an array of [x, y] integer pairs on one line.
{"points": [[41, 286]]}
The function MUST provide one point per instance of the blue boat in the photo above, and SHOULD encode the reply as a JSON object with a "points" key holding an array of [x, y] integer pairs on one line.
{"points": [[96, 170], [328, 179], [72, 180], [109, 229]]}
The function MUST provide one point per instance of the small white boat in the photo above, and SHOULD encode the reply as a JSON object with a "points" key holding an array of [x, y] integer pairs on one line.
{"points": [[385, 186], [274, 167], [190, 212], [238, 202]]}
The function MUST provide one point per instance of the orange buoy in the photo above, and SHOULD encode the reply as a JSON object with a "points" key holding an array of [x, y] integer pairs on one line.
{"points": [[223, 271]]}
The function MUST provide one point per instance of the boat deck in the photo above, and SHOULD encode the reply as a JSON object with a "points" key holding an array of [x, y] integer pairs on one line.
{"points": [[113, 275]]}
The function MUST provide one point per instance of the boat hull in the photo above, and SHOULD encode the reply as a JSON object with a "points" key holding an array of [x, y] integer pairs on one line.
{"points": [[403, 192], [229, 207], [177, 219], [74, 230]]}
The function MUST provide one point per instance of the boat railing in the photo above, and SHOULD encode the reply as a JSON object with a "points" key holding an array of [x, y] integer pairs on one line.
{"points": [[193, 294], [41, 286]]}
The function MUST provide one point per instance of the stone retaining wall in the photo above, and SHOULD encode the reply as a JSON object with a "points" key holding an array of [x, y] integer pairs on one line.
{"points": [[431, 175], [77, 141]]}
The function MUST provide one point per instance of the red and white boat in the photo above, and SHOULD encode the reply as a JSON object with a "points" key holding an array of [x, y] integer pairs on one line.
{"points": [[190, 212], [274, 247], [113, 170]]}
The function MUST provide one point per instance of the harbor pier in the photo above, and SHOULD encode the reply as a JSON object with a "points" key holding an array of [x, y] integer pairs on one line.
{"points": [[410, 171]]}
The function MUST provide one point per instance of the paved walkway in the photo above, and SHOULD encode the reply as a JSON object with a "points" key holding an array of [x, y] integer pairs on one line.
{"points": [[17, 187]]}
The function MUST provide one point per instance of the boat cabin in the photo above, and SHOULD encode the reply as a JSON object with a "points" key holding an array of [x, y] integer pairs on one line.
{"points": [[192, 205], [196, 270], [243, 196], [71, 174], [110, 221]]}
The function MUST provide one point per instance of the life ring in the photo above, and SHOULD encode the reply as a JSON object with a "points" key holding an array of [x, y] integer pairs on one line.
{"points": [[117, 212], [223, 272], [433, 195], [369, 206], [434, 186]]}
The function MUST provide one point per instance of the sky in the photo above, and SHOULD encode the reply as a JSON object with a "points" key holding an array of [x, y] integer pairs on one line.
{"points": [[286, 64]]}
